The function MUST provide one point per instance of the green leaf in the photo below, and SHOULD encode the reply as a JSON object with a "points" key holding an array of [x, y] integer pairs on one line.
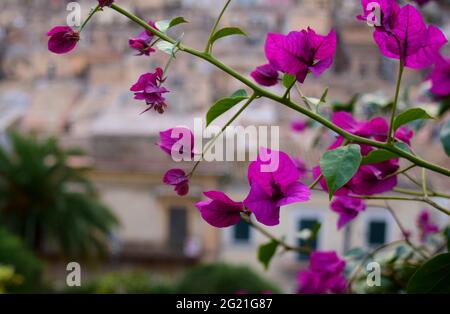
{"points": [[339, 166], [225, 104], [266, 253], [165, 25], [447, 237], [445, 137], [288, 80], [166, 47], [409, 116], [432, 277], [377, 156], [381, 155], [227, 31], [178, 20]]}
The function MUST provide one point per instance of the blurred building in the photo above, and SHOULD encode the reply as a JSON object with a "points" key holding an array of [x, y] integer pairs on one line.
{"points": [[83, 98]]}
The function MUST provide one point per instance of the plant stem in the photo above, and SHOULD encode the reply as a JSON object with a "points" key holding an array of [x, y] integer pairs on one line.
{"points": [[287, 102], [267, 234], [288, 89], [214, 28], [394, 105], [424, 183], [404, 232], [313, 185], [210, 143], [398, 198], [91, 14]]}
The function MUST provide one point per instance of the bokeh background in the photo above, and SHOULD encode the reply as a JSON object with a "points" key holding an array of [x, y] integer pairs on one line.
{"points": [[80, 174]]}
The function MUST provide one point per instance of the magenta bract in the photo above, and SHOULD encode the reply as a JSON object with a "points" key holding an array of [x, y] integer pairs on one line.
{"points": [[299, 53], [220, 211], [62, 39]]}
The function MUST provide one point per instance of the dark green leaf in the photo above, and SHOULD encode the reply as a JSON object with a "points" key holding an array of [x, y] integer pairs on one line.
{"points": [[266, 252], [445, 137], [225, 104], [348, 107], [165, 25], [432, 277], [288, 80], [409, 116], [377, 156], [447, 237], [177, 20], [339, 166], [227, 31]]}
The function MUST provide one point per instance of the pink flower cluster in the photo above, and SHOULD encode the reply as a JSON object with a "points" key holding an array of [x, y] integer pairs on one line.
{"points": [[324, 275], [371, 178]]}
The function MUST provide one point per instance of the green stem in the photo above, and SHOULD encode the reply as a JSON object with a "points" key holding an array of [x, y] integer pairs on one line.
{"points": [[288, 90], [268, 235], [214, 28], [407, 199], [394, 105], [416, 193], [210, 143], [287, 102], [91, 14], [424, 183], [404, 232]]}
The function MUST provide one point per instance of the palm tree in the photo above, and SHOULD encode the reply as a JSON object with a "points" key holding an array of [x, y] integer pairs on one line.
{"points": [[43, 198]]}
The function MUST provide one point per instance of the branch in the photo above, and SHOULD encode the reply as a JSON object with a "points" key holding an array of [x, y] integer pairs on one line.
{"points": [[267, 234], [286, 102]]}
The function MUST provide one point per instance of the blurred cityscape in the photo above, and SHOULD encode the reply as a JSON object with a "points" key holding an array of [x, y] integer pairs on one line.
{"points": [[83, 99]]}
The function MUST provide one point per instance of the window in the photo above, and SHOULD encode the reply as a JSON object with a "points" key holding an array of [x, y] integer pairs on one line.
{"points": [[241, 232], [177, 227], [376, 235], [306, 223]]}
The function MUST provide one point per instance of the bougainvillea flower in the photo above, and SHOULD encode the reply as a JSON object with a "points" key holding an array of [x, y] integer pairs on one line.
{"points": [[266, 75], [347, 208], [301, 167], [404, 34], [148, 88], [375, 178], [177, 140], [178, 179], [376, 128], [324, 275], [440, 78], [425, 225], [220, 211], [299, 126], [143, 42], [389, 10], [62, 39], [271, 190], [299, 53], [105, 3]]}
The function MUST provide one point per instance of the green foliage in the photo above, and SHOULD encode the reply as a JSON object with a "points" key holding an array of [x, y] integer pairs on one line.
{"points": [[137, 282], [225, 104], [409, 116], [266, 252], [165, 25], [226, 31], [445, 137], [8, 278], [43, 198], [432, 277], [222, 278], [338, 166], [381, 155], [288, 80], [15, 255]]}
